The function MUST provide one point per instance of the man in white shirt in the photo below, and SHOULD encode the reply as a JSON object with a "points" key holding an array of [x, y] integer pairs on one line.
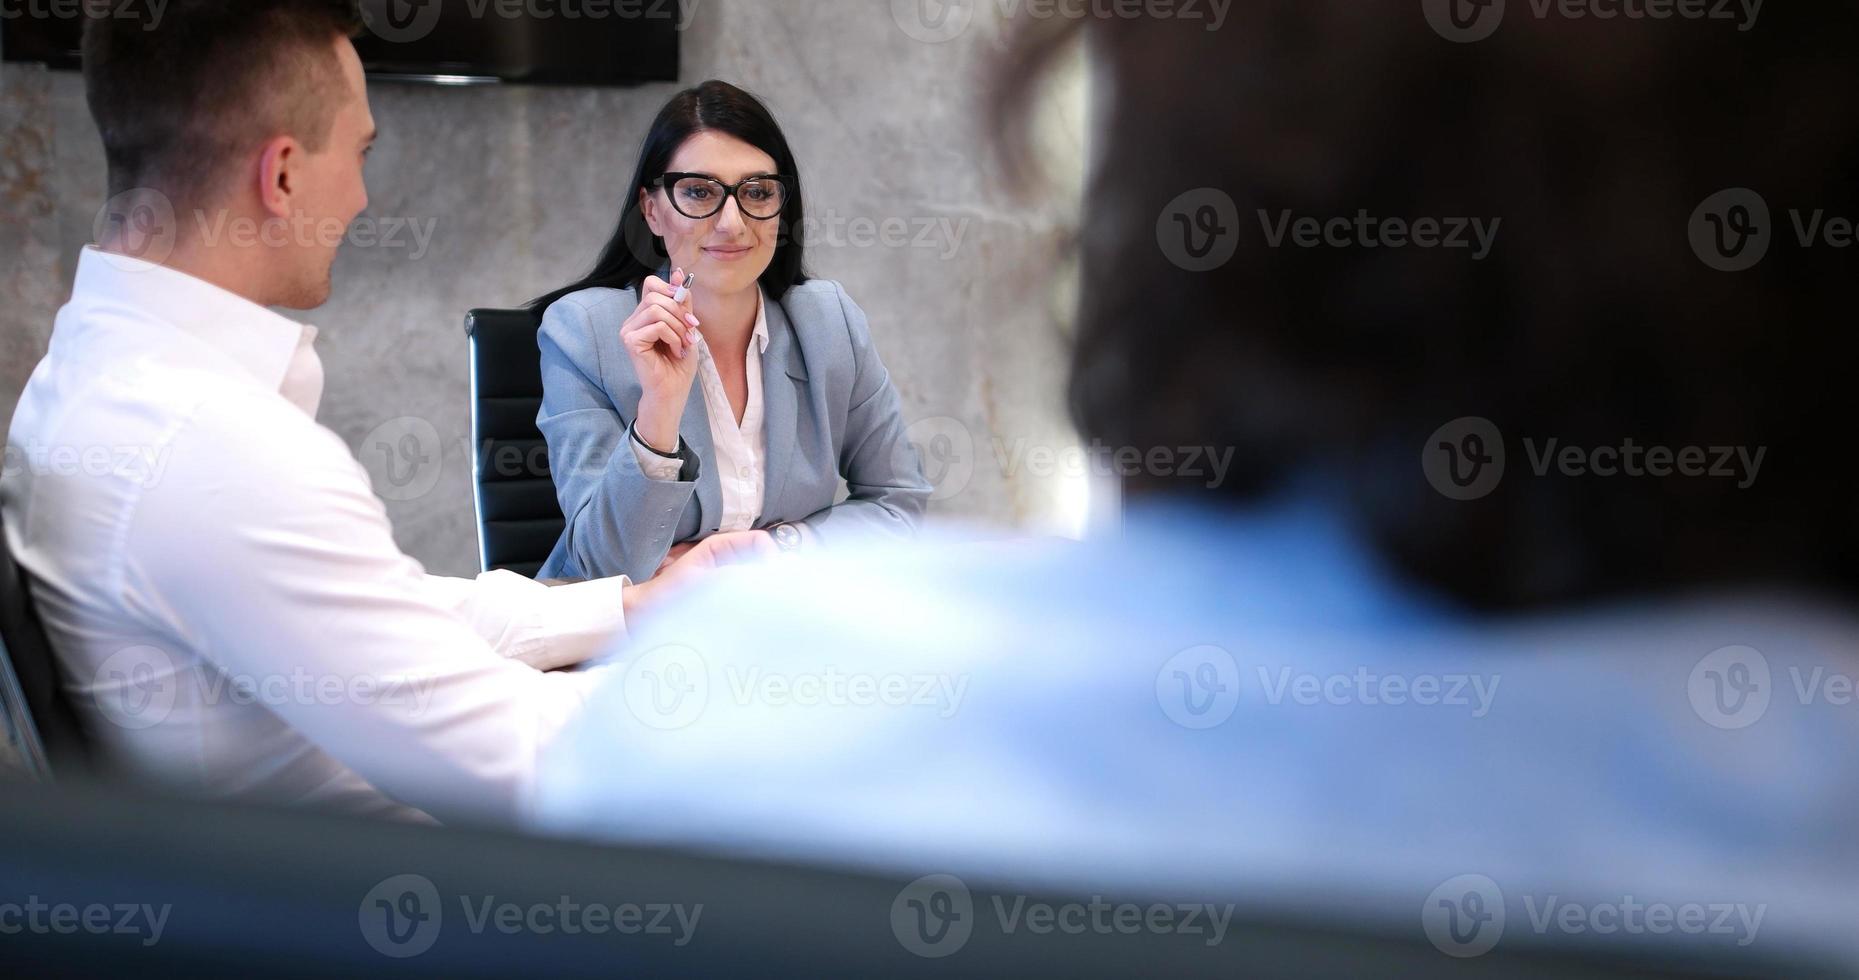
{"points": [[217, 577]]}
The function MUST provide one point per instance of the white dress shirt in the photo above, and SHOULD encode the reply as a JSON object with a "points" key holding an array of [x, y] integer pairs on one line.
{"points": [[222, 586], [741, 448]]}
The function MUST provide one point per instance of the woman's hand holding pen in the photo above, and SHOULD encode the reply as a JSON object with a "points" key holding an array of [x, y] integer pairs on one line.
{"points": [[662, 339]]}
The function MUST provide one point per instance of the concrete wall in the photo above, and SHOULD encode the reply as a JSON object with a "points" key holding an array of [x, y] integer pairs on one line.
{"points": [[519, 187]]}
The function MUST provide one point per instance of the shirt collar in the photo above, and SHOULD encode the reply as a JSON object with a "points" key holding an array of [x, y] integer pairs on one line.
{"points": [[761, 321], [264, 344]]}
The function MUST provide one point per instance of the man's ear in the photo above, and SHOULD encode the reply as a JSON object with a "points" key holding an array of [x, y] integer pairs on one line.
{"points": [[277, 176]]}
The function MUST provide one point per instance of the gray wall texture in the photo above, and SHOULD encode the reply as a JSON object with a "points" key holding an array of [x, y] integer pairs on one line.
{"points": [[488, 196]]}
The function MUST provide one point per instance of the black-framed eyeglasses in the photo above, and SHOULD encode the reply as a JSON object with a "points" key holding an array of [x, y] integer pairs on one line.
{"points": [[699, 196]]}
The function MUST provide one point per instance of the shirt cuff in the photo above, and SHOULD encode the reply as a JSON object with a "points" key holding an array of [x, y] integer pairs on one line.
{"points": [[656, 465], [578, 622]]}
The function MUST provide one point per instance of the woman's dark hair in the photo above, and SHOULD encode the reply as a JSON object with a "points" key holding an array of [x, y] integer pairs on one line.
{"points": [[1596, 318], [635, 253]]}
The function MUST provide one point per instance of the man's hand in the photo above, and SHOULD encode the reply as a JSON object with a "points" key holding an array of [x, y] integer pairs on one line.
{"points": [[697, 560]]}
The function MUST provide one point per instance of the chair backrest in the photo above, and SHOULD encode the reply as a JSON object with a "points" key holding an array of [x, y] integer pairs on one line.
{"points": [[519, 520], [46, 727]]}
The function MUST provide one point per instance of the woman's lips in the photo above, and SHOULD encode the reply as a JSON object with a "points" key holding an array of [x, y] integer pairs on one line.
{"points": [[727, 254]]}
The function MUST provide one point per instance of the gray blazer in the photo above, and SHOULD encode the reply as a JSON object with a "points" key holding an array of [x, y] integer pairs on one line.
{"points": [[829, 410]]}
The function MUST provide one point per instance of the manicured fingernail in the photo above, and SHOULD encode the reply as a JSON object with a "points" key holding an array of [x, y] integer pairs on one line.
{"points": [[695, 337], [692, 320]]}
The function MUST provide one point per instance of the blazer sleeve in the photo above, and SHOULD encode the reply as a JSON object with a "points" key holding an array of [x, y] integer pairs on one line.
{"points": [[888, 491], [619, 520]]}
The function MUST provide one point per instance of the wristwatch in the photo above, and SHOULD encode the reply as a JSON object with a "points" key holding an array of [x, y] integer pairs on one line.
{"points": [[787, 537]]}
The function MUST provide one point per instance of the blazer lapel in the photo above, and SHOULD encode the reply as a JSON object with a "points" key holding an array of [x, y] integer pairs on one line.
{"points": [[783, 374]]}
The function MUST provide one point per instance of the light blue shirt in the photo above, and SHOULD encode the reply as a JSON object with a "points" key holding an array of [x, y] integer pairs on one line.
{"points": [[1242, 704]]}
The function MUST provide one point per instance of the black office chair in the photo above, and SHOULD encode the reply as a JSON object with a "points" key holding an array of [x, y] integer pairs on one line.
{"points": [[47, 731], [519, 520]]}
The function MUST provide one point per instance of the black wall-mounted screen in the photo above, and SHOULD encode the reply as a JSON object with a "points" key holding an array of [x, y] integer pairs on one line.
{"points": [[572, 42]]}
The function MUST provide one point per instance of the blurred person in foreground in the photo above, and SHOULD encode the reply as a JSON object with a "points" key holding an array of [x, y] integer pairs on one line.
{"points": [[225, 598], [1535, 565]]}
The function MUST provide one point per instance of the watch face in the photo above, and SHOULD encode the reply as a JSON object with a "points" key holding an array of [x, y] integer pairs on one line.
{"points": [[788, 537]]}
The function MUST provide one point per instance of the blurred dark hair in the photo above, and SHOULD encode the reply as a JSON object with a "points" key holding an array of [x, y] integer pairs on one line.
{"points": [[635, 253], [1592, 320], [178, 98]]}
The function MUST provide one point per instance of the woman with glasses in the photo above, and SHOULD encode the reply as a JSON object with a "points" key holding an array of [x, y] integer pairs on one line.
{"points": [[697, 383]]}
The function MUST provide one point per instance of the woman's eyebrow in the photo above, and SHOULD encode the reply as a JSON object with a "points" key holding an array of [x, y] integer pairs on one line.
{"points": [[751, 176]]}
